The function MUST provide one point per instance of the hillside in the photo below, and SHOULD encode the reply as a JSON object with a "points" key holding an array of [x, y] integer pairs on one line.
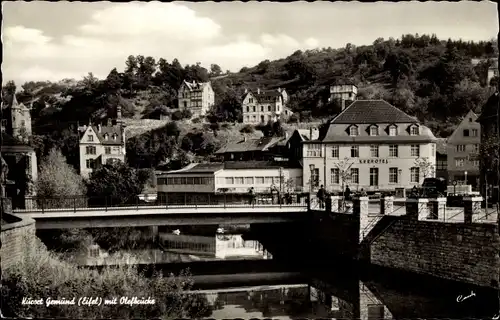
{"points": [[431, 79]]}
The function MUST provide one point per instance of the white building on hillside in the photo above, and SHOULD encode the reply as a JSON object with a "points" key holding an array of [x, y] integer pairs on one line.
{"points": [[263, 106], [197, 97]]}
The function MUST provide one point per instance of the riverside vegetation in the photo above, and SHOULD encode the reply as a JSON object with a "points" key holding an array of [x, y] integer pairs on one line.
{"points": [[42, 274]]}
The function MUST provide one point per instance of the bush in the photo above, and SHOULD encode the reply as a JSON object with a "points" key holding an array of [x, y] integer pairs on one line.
{"points": [[247, 129], [41, 274]]}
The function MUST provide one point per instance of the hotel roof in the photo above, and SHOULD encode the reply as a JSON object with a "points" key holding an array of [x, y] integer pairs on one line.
{"points": [[372, 111], [247, 145]]}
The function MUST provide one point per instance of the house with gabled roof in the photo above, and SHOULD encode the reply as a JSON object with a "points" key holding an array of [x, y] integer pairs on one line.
{"points": [[249, 149], [463, 151], [101, 144], [370, 145], [197, 97], [264, 106]]}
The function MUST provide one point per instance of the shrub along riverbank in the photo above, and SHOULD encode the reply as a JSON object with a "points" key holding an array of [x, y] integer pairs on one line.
{"points": [[42, 275]]}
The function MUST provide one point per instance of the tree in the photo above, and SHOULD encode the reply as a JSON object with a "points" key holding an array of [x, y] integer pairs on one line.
{"points": [[426, 168], [58, 180], [118, 182], [344, 167], [113, 82], [215, 70]]}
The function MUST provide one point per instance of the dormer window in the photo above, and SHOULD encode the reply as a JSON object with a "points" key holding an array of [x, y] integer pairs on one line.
{"points": [[373, 131], [106, 136], [353, 131], [414, 130], [393, 131], [114, 136]]}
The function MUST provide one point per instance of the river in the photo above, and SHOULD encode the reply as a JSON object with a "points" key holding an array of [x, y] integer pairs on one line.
{"points": [[240, 279]]}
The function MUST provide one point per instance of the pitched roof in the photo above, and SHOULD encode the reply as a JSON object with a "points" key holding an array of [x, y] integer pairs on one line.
{"points": [[260, 144], [195, 85], [372, 111], [109, 131], [305, 134], [196, 168]]}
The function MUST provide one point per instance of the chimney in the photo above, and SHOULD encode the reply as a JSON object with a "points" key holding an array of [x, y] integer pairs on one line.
{"points": [[99, 127], [258, 90], [118, 113]]}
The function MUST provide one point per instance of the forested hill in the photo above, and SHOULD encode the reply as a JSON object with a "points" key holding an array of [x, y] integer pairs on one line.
{"points": [[433, 79]]}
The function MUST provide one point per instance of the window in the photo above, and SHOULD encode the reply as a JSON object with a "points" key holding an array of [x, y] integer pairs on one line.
{"points": [[315, 177], [415, 174], [334, 176], [239, 180], [441, 164], [459, 162], [276, 180], [373, 176], [268, 108], [470, 119], [269, 180], [353, 131], [248, 109], [374, 151], [474, 132], [90, 137], [249, 180], [393, 131], [250, 100], [90, 150], [415, 150], [114, 136], [277, 108], [393, 150], [373, 131], [466, 132], [23, 123], [253, 108], [107, 150], [414, 130], [335, 151], [261, 108], [259, 180], [262, 118], [314, 150], [354, 151], [247, 118], [475, 163], [90, 163], [229, 180], [355, 175], [461, 148], [185, 104], [393, 175], [476, 148], [254, 118]]}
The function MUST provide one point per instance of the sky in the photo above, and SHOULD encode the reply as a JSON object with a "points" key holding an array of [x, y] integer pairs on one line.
{"points": [[57, 40]]}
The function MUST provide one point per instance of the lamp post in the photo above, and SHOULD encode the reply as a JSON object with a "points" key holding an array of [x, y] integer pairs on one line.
{"points": [[311, 167], [281, 180], [465, 173]]}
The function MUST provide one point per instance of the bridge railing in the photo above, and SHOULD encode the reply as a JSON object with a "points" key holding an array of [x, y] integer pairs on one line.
{"points": [[80, 203]]}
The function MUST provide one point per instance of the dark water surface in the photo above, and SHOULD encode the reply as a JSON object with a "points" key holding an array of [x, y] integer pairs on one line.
{"points": [[240, 279]]}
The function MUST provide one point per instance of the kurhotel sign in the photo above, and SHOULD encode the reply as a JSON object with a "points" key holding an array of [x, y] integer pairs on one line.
{"points": [[373, 161]]}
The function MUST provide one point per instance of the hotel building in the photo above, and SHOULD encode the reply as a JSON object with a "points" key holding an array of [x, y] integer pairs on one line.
{"points": [[371, 145], [197, 97], [263, 106]]}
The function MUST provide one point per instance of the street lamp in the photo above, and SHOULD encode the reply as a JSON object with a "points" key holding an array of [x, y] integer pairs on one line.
{"points": [[311, 167], [465, 173]]}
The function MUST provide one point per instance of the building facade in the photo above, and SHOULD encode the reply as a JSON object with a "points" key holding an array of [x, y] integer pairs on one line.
{"points": [[489, 148], [264, 106], [370, 145], [20, 160], [247, 149], [101, 145], [441, 159], [213, 182], [463, 148], [346, 93], [197, 97]]}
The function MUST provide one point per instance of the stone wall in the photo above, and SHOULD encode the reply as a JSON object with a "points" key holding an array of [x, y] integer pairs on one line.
{"points": [[16, 234], [456, 251]]}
